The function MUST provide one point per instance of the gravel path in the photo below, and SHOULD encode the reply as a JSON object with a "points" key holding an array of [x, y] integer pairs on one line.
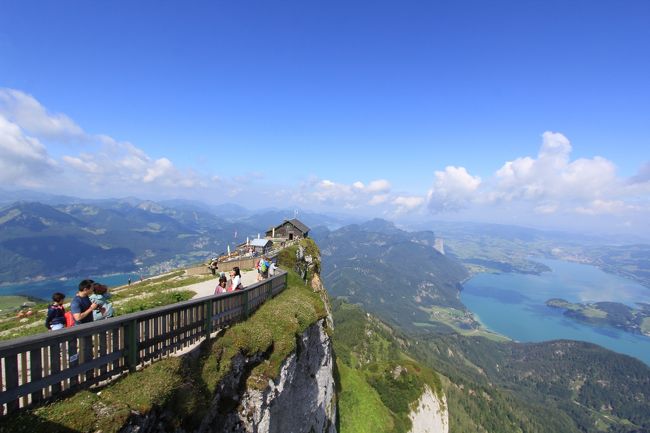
{"points": [[206, 288]]}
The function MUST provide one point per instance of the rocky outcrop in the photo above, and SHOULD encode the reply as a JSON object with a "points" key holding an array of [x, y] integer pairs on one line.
{"points": [[300, 399], [430, 415]]}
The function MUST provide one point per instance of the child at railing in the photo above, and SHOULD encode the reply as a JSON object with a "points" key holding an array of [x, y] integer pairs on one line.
{"points": [[101, 297], [56, 313], [221, 287]]}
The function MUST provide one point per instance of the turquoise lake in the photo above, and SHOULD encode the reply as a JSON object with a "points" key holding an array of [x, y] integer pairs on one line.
{"points": [[514, 305], [44, 289]]}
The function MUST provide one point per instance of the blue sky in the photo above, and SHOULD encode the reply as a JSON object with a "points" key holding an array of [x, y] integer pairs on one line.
{"points": [[407, 109]]}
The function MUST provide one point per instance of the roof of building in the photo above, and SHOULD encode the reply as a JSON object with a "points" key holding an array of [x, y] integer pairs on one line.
{"points": [[260, 242], [296, 223]]}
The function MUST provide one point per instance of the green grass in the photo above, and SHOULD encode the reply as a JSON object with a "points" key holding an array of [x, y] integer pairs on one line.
{"points": [[12, 302], [272, 329], [373, 365], [153, 301], [167, 282], [360, 407]]}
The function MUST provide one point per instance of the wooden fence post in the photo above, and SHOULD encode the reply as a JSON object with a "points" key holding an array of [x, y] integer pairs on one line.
{"points": [[245, 304], [131, 343], [208, 317]]}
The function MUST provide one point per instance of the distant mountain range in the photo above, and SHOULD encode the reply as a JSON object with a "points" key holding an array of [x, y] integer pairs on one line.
{"points": [[66, 236]]}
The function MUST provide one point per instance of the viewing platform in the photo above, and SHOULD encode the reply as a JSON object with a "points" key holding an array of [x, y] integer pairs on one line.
{"points": [[37, 368]]}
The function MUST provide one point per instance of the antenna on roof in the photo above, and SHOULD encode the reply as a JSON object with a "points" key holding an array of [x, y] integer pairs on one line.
{"points": [[295, 213]]}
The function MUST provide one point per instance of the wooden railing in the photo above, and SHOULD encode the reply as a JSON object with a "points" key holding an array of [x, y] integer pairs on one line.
{"points": [[40, 367]]}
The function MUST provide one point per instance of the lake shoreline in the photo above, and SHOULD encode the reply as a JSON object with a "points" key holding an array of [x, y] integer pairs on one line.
{"points": [[514, 305]]}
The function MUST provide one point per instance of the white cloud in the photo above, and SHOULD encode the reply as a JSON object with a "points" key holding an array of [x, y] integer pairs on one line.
{"points": [[350, 196], [601, 207], [550, 183], [106, 165], [378, 199], [452, 189], [378, 186], [406, 204], [25, 111], [161, 167], [24, 160], [553, 177]]}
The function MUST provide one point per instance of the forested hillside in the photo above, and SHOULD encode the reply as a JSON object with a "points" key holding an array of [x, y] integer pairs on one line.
{"points": [[391, 272]]}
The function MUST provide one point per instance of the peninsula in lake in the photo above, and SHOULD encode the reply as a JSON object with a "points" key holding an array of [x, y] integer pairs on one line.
{"points": [[621, 316]]}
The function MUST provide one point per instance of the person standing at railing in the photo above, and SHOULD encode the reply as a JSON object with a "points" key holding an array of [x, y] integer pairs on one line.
{"points": [[81, 306], [56, 313], [235, 279]]}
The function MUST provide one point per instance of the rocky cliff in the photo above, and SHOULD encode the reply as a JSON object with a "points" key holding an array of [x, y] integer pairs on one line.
{"points": [[300, 399], [430, 414]]}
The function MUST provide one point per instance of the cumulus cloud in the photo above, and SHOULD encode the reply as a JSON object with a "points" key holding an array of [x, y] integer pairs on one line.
{"points": [[25, 111], [350, 196], [552, 176], [452, 189], [549, 183], [27, 129], [406, 204], [24, 160]]}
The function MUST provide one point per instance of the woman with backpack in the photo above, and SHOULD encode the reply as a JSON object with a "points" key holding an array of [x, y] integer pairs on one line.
{"points": [[56, 313]]}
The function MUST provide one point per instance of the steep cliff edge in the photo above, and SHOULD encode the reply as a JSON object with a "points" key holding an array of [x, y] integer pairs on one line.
{"points": [[383, 390], [300, 399], [286, 384], [430, 414]]}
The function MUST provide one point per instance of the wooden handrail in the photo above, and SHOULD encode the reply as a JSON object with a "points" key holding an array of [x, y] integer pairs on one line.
{"points": [[39, 367]]}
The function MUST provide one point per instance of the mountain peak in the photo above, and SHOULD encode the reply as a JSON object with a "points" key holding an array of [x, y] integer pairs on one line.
{"points": [[379, 225]]}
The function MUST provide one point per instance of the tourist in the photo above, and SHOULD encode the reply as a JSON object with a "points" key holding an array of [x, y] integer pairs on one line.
{"points": [[214, 265], [264, 267], [221, 287], [101, 297], [235, 279], [56, 313], [81, 306], [272, 269]]}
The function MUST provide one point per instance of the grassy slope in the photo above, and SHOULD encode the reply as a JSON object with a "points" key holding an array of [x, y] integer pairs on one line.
{"points": [[379, 384]]}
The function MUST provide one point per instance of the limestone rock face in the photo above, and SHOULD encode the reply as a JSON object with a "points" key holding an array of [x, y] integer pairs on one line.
{"points": [[430, 415], [301, 399]]}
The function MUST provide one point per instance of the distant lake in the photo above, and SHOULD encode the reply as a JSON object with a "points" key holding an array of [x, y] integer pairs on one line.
{"points": [[514, 305], [44, 289]]}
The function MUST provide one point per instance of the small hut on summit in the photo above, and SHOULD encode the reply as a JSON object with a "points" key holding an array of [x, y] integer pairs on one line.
{"points": [[289, 229], [261, 246]]}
